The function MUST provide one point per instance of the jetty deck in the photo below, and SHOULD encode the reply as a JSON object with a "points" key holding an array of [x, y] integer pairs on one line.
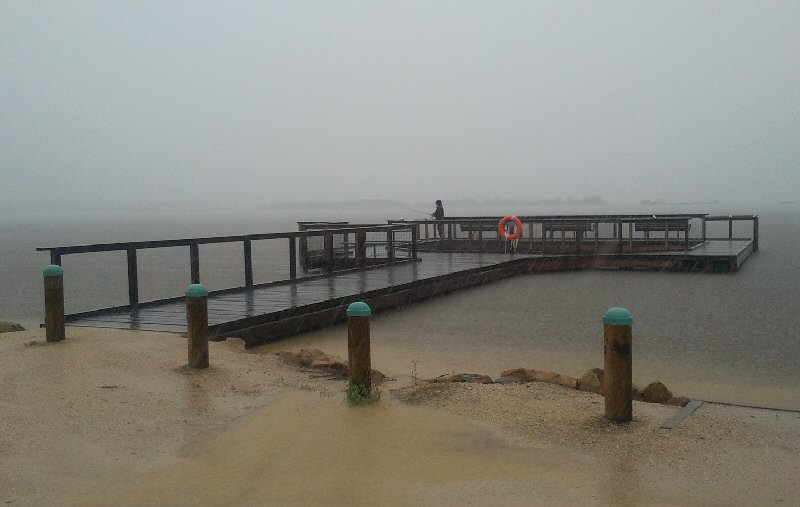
{"points": [[393, 265]]}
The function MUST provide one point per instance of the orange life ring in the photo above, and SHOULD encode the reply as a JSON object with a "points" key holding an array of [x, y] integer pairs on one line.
{"points": [[501, 229]]}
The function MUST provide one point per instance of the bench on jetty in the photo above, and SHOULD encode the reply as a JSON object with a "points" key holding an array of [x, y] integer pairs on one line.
{"points": [[578, 227], [665, 225]]}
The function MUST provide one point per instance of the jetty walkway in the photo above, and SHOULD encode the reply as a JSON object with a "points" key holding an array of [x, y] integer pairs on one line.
{"points": [[402, 262]]}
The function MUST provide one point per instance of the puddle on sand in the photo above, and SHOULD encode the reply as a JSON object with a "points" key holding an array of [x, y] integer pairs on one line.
{"points": [[310, 449]]}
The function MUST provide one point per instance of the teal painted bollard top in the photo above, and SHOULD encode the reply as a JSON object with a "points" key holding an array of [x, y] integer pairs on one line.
{"points": [[359, 309], [617, 316], [196, 290], [53, 270]]}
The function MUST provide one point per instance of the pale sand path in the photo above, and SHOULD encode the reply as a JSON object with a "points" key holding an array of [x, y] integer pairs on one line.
{"points": [[112, 417]]}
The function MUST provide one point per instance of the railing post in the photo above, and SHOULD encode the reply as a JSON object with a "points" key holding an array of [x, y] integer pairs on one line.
{"points": [[303, 241], [194, 263], [292, 258], [328, 245], [358, 348], [544, 237], [248, 263], [755, 233], [414, 235], [133, 278], [530, 234], [54, 303], [361, 249], [597, 236], [730, 227], [686, 234], [666, 234], [704, 229], [618, 364], [390, 246], [630, 237], [197, 325], [451, 229]]}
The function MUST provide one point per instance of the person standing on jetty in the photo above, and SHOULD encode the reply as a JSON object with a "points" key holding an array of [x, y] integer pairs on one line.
{"points": [[438, 215]]}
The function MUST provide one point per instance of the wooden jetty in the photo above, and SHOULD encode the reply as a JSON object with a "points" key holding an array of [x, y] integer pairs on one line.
{"points": [[404, 261]]}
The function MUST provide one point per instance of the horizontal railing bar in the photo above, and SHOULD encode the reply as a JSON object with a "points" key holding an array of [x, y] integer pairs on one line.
{"points": [[555, 218], [169, 243], [725, 218]]}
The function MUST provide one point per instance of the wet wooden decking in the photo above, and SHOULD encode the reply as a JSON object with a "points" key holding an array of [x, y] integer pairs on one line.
{"points": [[268, 311]]}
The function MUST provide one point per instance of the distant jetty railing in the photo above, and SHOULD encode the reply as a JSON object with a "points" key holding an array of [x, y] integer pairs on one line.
{"points": [[583, 233], [390, 244]]}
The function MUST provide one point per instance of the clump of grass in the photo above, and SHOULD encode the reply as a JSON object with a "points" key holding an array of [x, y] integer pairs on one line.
{"points": [[362, 395]]}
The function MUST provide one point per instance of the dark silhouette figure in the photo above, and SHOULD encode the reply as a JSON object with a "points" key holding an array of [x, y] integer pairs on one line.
{"points": [[438, 215]]}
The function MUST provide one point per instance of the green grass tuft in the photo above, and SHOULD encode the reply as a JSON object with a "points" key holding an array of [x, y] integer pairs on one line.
{"points": [[361, 395]]}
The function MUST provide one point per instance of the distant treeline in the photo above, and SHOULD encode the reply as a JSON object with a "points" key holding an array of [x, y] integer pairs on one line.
{"points": [[448, 203]]}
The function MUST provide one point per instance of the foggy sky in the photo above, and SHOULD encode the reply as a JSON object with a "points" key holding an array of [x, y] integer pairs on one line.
{"points": [[250, 102]]}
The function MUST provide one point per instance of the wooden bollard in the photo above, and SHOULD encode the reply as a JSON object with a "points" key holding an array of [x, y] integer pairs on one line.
{"points": [[358, 353], [618, 367], [54, 303], [197, 325]]}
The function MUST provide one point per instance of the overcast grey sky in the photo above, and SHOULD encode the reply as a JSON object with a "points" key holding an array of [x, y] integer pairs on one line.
{"points": [[251, 102]]}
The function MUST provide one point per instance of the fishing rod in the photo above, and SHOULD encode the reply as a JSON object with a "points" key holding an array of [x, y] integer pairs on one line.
{"points": [[418, 211]]}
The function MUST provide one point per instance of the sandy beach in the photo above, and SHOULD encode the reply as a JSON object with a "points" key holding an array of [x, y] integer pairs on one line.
{"points": [[115, 417]]}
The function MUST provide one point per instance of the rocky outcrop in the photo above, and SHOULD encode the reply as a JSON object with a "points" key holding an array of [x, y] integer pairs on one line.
{"points": [[472, 378], [528, 375], [656, 392], [592, 381], [9, 327], [325, 364]]}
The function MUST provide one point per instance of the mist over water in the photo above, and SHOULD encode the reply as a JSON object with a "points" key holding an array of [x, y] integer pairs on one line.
{"points": [[715, 336]]}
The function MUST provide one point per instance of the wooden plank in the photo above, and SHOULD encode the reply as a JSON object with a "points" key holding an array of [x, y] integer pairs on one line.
{"points": [[683, 413]]}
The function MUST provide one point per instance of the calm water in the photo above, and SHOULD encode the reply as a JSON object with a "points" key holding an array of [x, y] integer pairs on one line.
{"points": [[706, 335]]}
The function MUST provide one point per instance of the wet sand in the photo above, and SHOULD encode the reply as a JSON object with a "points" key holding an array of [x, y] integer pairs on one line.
{"points": [[114, 417]]}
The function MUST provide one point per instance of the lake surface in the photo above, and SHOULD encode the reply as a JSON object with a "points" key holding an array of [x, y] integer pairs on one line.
{"points": [[717, 336]]}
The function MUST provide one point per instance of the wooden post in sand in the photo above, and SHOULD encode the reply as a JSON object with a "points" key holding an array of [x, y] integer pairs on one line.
{"points": [[54, 303], [618, 367], [197, 325], [358, 350]]}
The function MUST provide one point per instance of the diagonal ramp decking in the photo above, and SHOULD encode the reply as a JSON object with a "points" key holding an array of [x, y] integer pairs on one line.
{"points": [[277, 301]]}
